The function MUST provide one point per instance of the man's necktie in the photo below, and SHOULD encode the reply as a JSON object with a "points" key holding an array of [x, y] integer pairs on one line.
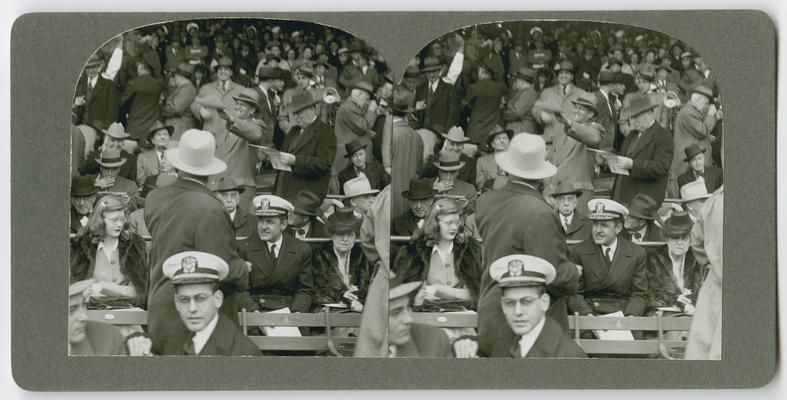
{"points": [[188, 347], [565, 223], [565, 90], [273, 253], [607, 258], [699, 175]]}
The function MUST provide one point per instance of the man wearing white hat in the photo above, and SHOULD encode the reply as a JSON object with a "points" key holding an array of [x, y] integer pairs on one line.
{"points": [[358, 194], [186, 216], [281, 272], [196, 276], [614, 270], [693, 196], [524, 301], [516, 219]]}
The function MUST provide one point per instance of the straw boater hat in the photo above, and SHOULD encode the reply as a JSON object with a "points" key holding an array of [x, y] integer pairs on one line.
{"points": [[111, 159], [191, 267], [306, 203], [195, 154], [677, 225], [420, 189], [84, 186], [566, 188], [638, 105], [342, 220], [643, 206], [606, 209], [456, 134], [449, 161], [586, 100], [301, 101], [691, 151], [526, 158], [694, 190], [250, 97], [266, 205], [116, 131], [359, 186], [519, 270]]}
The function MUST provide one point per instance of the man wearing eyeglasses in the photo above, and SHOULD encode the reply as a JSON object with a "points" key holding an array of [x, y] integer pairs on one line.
{"points": [[196, 276], [524, 301]]}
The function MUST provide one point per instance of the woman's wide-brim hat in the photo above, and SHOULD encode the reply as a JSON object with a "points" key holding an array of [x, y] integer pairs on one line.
{"points": [[526, 158], [342, 221], [638, 105], [678, 224], [195, 154]]}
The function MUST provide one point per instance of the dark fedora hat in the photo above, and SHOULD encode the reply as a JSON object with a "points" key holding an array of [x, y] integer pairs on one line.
{"points": [[362, 84], [586, 100], [638, 105], [307, 203], [606, 77], [157, 126], [526, 74], [497, 130], [301, 101], [703, 90], [228, 185], [420, 189], [265, 73], [677, 225], [643, 206], [565, 66], [692, 151], [431, 64], [566, 188], [342, 220], [352, 147], [83, 186], [402, 100], [225, 62]]}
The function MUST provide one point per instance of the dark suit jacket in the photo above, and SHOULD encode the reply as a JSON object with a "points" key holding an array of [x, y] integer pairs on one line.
{"points": [[713, 176], [442, 108], [287, 282], [227, 339], [404, 224], [314, 149], [607, 119], [652, 234], [328, 285], [316, 230], [102, 103], [652, 155], [187, 216], [662, 289], [425, 341], [484, 99], [264, 113], [144, 93], [623, 286], [378, 178], [516, 219], [580, 227], [245, 223], [552, 342], [101, 339]]}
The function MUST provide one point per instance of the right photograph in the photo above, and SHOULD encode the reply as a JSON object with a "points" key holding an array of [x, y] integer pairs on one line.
{"points": [[556, 192]]}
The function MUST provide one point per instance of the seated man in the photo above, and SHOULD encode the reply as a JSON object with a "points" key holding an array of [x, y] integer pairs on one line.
{"points": [[712, 176], [359, 195], [420, 197], [693, 196], [83, 198], [281, 270], [523, 280], [640, 222], [575, 223], [453, 142], [448, 185], [359, 166], [244, 223], [614, 271], [304, 222], [108, 179], [406, 339], [149, 162], [92, 338], [196, 276]]}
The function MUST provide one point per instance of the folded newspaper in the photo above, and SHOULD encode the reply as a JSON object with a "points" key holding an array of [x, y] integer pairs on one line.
{"points": [[610, 334], [612, 161], [273, 157], [283, 331]]}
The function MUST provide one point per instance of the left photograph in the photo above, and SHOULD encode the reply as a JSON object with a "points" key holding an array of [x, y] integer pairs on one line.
{"points": [[228, 192]]}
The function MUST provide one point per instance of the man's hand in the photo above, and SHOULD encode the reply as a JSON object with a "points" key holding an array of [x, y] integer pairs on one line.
{"points": [[356, 306], [560, 117], [466, 348], [547, 117], [80, 101], [420, 105], [442, 186], [287, 158], [139, 346], [248, 265], [223, 115], [579, 269], [625, 162], [462, 202], [105, 182]]}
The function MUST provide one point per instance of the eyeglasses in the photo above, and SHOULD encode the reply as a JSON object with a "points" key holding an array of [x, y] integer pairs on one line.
{"points": [[452, 223], [198, 298], [118, 220]]}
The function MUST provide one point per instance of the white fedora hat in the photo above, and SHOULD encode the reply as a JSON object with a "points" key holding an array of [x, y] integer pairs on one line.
{"points": [[526, 158], [359, 186], [694, 190], [195, 154]]}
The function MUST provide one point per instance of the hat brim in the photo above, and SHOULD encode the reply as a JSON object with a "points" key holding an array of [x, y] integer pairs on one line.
{"points": [[301, 210], [341, 229], [112, 165], [633, 113], [588, 106], [637, 214], [215, 166], [690, 156], [463, 140], [239, 188], [408, 195], [295, 108], [430, 69], [247, 101], [368, 192], [152, 131], [674, 231], [125, 135], [700, 197], [492, 135], [88, 193], [403, 290], [577, 193], [503, 161], [453, 168]]}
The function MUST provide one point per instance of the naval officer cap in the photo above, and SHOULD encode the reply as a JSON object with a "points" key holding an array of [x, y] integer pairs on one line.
{"points": [[267, 205], [606, 209], [520, 270], [195, 267]]}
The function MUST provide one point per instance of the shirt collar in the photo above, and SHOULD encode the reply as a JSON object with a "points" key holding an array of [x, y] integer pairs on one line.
{"points": [[232, 214], [108, 250], [443, 256], [527, 340], [613, 246], [277, 243], [201, 337]]}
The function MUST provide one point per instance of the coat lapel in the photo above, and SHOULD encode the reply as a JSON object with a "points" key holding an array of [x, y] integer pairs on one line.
{"points": [[576, 223], [642, 143], [620, 261], [303, 137], [220, 341]]}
